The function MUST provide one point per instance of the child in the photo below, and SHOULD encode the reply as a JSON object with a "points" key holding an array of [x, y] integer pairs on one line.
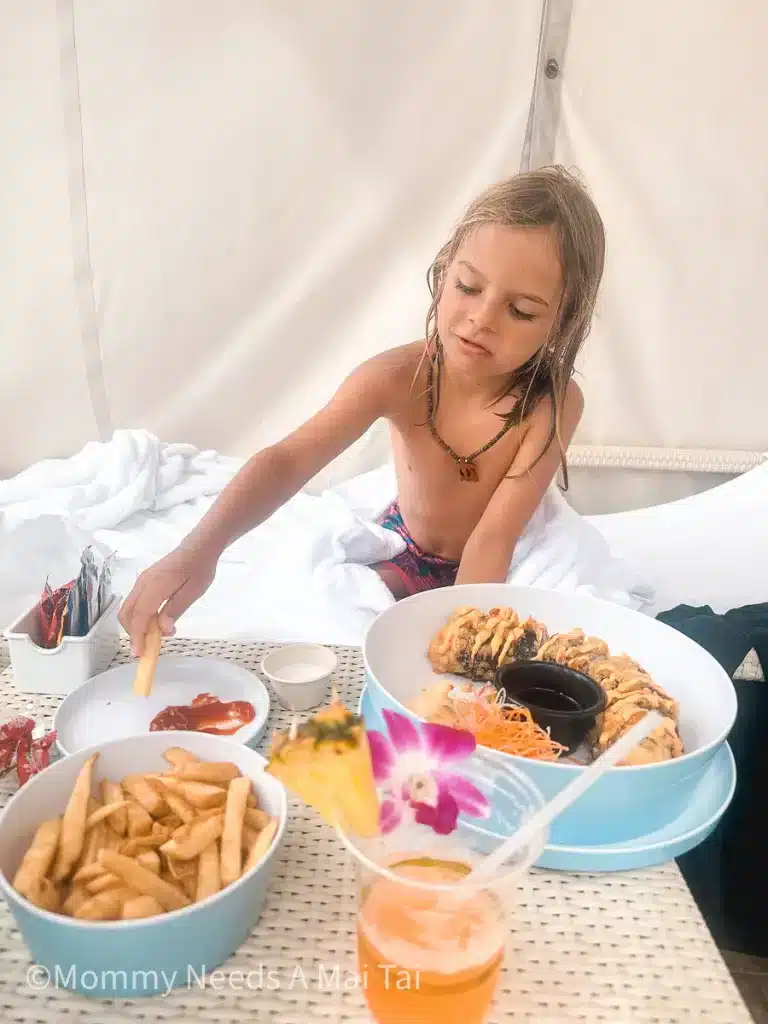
{"points": [[481, 412]]}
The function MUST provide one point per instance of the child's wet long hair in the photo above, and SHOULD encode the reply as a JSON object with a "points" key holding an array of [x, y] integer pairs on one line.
{"points": [[546, 197]]}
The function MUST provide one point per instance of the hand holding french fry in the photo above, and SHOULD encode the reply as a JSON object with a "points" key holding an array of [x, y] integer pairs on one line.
{"points": [[153, 843], [165, 590]]}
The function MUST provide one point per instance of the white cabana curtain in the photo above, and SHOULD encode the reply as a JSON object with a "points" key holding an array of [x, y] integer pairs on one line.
{"points": [[212, 211]]}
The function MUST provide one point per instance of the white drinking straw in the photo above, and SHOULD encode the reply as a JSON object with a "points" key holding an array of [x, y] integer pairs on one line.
{"points": [[567, 796]]}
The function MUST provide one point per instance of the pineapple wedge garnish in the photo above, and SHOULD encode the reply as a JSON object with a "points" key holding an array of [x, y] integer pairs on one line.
{"points": [[326, 763]]}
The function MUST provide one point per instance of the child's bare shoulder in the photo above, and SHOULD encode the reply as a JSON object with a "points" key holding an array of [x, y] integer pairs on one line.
{"points": [[538, 425], [402, 360], [391, 373]]}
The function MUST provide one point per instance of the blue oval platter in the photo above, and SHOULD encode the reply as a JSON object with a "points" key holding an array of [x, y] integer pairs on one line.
{"points": [[708, 802]]}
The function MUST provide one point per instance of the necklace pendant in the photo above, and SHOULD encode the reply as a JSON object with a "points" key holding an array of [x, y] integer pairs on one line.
{"points": [[468, 472]]}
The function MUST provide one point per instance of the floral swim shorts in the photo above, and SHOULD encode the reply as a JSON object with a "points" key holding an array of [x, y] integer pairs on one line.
{"points": [[417, 569]]}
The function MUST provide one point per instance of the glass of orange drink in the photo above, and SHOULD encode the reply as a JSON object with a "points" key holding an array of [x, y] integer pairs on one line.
{"points": [[430, 940]]}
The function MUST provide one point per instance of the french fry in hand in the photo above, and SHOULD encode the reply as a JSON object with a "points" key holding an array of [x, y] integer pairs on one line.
{"points": [[145, 672]]}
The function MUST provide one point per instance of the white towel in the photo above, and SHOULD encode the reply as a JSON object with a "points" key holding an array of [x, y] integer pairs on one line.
{"points": [[304, 574]]}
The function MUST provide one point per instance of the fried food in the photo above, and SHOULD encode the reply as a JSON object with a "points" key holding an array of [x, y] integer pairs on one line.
{"points": [[476, 644], [573, 649], [630, 693], [157, 861], [145, 671]]}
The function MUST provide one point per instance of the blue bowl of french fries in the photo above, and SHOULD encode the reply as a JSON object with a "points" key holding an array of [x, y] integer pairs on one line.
{"points": [[141, 865]]}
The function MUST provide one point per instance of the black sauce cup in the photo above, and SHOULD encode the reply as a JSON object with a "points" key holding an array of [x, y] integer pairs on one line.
{"points": [[560, 699]]}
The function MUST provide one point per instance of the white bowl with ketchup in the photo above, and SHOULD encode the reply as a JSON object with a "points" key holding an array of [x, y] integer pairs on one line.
{"points": [[205, 695]]}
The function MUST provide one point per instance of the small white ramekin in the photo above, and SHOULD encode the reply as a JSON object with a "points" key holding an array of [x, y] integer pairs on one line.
{"points": [[300, 674]]}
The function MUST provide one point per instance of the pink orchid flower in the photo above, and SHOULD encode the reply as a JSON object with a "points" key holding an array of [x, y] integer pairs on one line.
{"points": [[412, 765]]}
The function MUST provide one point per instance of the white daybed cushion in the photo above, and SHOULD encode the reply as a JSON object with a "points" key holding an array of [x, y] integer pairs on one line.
{"points": [[707, 549]]}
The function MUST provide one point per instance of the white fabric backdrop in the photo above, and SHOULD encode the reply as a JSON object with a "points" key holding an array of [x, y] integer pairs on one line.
{"points": [[265, 184]]}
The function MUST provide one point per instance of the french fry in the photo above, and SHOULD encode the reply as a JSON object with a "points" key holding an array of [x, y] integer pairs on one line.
{"points": [[175, 801], [95, 840], [208, 812], [145, 794], [178, 756], [208, 872], [250, 835], [232, 835], [171, 821], [45, 894], [37, 861], [153, 843], [200, 795], [87, 873], [145, 672], [146, 883], [141, 906], [112, 793], [261, 846], [112, 840], [254, 818], [184, 873], [218, 773], [103, 882], [105, 906], [72, 835], [201, 834], [150, 860], [77, 896], [139, 820], [102, 813], [189, 885], [132, 847]]}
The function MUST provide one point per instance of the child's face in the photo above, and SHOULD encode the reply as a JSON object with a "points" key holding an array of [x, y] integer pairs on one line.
{"points": [[500, 298]]}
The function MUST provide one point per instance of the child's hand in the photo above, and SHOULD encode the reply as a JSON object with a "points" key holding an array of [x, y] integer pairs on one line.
{"points": [[175, 583]]}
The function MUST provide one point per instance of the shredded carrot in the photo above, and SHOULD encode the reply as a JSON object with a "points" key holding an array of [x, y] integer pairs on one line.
{"points": [[507, 728]]}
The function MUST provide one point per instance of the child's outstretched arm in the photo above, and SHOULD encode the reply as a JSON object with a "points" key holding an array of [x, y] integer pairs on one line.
{"points": [[488, 552], [264, 483]]}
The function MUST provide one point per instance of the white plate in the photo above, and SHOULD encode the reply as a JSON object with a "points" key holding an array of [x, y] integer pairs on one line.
{"points": [[106, 708]]}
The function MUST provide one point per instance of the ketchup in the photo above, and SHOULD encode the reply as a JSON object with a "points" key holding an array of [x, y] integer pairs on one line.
{"points": [[206, 713]]}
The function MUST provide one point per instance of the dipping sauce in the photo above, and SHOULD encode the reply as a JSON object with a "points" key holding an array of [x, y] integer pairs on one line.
{"points": [[206, 713], [544, 697], [299, 672]]}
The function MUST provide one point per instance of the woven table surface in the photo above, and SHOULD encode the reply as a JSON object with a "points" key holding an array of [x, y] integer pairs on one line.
{"points": [[625, 948]]}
